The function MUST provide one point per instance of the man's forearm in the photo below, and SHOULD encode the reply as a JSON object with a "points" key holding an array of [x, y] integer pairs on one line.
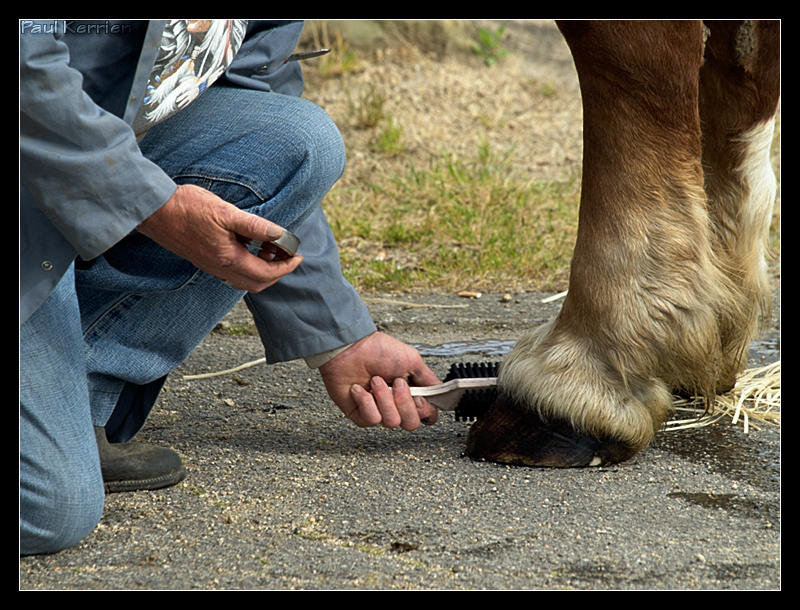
{"points": [[314, 310]]}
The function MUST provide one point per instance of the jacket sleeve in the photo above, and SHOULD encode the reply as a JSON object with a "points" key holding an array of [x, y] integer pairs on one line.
{"points": [[80, 164], [261, 60], [314, 309]]}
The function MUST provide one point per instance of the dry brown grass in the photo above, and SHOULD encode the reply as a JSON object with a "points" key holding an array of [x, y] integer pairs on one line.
{"points": [[754, 401]]}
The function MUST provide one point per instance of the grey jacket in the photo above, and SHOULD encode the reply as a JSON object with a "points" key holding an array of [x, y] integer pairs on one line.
{"points": [[75, 129]]}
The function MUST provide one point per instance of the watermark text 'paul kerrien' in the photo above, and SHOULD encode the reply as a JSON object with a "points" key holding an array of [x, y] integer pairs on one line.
{"points": [[64, 26]]}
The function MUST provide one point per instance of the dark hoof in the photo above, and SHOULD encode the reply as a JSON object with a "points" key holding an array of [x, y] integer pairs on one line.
{"points": [[512, 434]]}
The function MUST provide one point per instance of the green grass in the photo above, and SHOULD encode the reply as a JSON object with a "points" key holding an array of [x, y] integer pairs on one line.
{"points": [[458, 224], [488, 45], [368, 110], [455, 224]]}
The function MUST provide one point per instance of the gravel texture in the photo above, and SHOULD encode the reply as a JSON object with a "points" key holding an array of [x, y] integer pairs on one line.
{"points": [[284, 493]]}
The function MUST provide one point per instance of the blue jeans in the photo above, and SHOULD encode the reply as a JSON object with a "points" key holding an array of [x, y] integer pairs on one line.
{"points": [[98, 351]]}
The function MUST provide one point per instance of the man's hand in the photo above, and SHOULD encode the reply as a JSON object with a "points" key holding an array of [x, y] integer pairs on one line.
{"points": [[197, 225], [358, 380]]}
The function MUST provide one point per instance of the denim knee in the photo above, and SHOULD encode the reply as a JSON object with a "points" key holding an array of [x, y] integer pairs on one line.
{"points": [[285, 178], [308, 160], [325, 147], [274, 155], [58, 512]]}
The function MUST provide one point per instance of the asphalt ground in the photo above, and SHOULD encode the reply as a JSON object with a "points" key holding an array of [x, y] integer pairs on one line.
{"points": [[283, 493]]}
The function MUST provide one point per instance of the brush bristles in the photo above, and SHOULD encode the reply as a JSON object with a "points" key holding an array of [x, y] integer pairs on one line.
{"points": [[474, 403]]}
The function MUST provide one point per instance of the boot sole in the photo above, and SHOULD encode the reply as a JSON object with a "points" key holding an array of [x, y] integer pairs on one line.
{"points": [[166, 480]]}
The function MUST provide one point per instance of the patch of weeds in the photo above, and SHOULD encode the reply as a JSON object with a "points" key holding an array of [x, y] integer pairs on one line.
{"points": [[457, 223], [389, 139], [489, 45], [367, 112], [547, 89], [380, 274], [341, 59]]}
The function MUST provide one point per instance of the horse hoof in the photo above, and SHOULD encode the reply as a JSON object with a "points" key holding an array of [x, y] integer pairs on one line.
{"points": [[510, 433]]}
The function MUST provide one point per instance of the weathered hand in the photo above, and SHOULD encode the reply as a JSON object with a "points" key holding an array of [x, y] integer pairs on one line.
{"points": [[358, 381], [208, 231]]}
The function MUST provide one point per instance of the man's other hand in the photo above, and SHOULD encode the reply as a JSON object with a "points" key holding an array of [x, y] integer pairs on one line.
{"points": [[369, 382]]}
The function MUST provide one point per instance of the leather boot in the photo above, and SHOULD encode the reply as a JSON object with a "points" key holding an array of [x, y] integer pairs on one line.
{"points": [[133, 466]]}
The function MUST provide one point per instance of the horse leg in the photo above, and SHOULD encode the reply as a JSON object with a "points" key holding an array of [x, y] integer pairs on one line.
{"points": [[739, 94], [645, 293]]}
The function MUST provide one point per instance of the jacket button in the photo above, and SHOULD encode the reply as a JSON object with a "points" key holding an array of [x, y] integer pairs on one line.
{"points": [[47, 265]]}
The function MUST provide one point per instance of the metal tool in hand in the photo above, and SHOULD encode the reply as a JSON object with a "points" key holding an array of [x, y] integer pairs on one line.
{"points": [[287, 243]]}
